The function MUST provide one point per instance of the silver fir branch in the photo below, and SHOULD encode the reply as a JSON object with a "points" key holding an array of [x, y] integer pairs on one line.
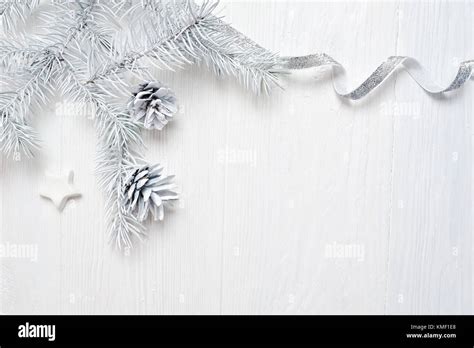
{"points": [[87, 49], [13, 12]]}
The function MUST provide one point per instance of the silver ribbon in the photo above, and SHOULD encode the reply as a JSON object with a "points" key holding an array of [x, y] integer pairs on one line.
{"points": [[381, 74]]}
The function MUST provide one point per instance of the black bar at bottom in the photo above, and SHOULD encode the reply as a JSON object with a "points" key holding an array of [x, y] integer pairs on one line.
{"points": [[136, 331]]}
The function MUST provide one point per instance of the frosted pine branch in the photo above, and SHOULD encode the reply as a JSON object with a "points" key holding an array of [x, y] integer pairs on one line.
{"points": [[82, 24], [13, 12], [227, 52], [113, 164], [119, 142], [197, 35], [17, 138], [15, 106], [88, 48]]}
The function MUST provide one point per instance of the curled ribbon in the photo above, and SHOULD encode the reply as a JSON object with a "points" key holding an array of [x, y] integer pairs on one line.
{"points": [[381, 74]]}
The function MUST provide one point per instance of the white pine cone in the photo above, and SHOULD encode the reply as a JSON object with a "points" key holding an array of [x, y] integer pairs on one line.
{"points": [[153, 104], [147, 189]]}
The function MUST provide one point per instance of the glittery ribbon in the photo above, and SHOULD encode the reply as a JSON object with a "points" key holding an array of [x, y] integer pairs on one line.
{"points": [[377, 78], [381, 74]]}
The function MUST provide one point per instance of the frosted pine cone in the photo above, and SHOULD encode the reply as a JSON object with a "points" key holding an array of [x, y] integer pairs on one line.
{"points": [[153, 104], [147, 189]]}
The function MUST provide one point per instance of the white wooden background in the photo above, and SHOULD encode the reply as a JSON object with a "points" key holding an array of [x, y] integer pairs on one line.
{"points": [[270, 185]]}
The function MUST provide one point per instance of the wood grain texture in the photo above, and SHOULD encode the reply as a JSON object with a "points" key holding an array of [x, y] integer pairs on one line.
{"points": [[298, 203], [431, 224]]}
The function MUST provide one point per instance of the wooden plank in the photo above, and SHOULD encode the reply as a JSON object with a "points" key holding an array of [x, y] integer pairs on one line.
{"points": [[32, 222], [95, 278], [320, 180], [5, 283], [296, 203], [30, 226], [190, 238], [430, 263]]}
